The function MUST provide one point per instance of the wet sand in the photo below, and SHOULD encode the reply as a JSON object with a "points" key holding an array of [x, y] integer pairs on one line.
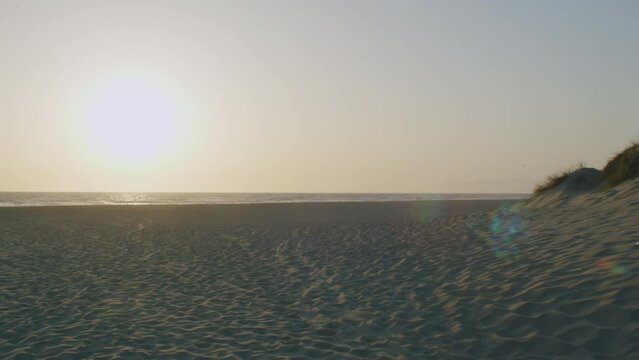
{"points": [[419, 280]]}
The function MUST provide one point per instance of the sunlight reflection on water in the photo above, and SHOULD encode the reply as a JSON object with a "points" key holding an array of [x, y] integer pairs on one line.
{"points": [[10, 199]]}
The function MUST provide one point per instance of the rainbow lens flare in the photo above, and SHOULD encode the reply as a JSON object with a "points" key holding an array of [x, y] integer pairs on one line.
{"points": [[508, 227], [612, 266]]}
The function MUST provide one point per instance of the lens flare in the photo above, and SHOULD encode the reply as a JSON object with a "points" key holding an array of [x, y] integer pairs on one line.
{"points": [[508, 227], [612, 266], [430, 210]]}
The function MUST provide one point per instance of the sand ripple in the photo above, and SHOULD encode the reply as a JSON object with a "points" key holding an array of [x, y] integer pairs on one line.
{"points": [[148, 285]]}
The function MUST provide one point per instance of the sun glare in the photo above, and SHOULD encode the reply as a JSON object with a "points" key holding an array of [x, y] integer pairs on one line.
{"points": [[132, 121]]}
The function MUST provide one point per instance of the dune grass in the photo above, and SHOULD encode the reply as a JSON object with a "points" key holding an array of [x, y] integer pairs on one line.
{"points": [[623, 166], [556, 179]]}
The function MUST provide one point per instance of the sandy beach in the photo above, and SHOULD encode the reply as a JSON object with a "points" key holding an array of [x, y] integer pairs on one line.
{"points": [[281, 179], [411, 280]]}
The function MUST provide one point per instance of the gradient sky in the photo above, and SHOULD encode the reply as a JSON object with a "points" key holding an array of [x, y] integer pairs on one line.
{"points": [[322, 96]]}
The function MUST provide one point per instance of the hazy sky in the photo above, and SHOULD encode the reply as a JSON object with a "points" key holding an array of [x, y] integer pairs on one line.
{"points": [[312, 96]]}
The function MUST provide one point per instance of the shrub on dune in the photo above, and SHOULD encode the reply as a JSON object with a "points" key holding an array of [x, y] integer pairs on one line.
{"points": [[556, 179], [623, 166]]}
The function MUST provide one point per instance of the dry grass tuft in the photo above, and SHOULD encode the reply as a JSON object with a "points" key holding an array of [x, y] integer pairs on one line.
{"points": [[623, 166], [556, 179]]}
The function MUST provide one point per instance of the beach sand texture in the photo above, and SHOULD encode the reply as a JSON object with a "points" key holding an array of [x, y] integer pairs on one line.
{"points": [[422, 280]]}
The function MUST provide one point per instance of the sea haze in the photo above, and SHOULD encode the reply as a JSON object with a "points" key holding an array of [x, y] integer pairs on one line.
{"points": [[11, 199]]}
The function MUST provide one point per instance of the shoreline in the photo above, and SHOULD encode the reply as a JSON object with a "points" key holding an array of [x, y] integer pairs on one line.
{"points": [[15, 199]]}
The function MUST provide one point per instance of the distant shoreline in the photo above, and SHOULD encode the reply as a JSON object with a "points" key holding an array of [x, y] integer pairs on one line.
{"points": [[20, 199]]}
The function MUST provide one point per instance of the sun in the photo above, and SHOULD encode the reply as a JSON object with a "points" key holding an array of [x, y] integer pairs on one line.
{"points": [[132, 120]]}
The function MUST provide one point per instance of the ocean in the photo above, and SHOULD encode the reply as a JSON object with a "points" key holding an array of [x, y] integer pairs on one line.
{"points": [[13, 199]]}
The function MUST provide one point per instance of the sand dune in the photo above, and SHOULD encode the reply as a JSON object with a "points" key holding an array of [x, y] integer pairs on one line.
{"points": [[440, 280]]}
